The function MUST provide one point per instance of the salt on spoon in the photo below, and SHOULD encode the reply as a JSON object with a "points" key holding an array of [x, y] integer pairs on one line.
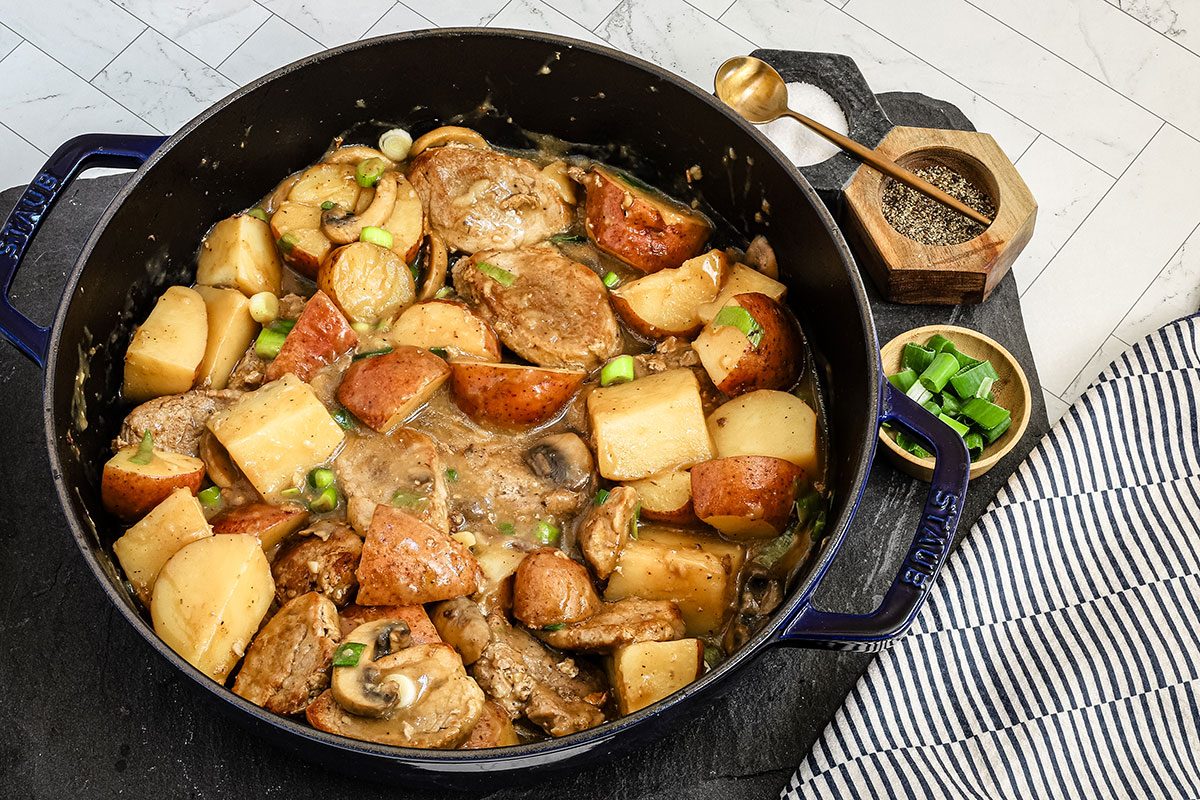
{"points": [[801, 145]]}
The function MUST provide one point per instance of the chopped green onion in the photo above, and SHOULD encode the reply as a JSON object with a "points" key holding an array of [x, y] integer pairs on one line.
{"points": [[395, 143], [290, 492], [145, 451], [985, 413], [601, 496], [939, 372], [283, 326], [264, 307], [321, 477], [916, 357], [806, 506], [611, 279], [776, 548], [440, 352], [918, 393], [567, 238], [618, 370], [985, 389], [379, 236], [950, 404], [911, 445], [210, 496], [957, 426], [287, 242], [406, 499], [383, 351], [965, 361], [368, 172], [500, 276], [740, 318], [992, 434], [974, 444], [712, 655], [269, 343], [258, 213], [546, 532], [327, 205], [931, 405], [348, 654], [451, 474], [343, 418], [443, 293], [557, 626], [327, 500], [506, 528], [904, 379], [940, 344], [633, 523], [965, 382]]}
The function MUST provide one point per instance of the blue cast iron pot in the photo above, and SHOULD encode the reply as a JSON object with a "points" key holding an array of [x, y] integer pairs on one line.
{"points": [[636, 115]]}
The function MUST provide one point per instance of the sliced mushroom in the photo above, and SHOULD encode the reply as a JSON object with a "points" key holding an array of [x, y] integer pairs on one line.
{"points": [[460, 623], [447, 134], [342, 226], [354, 153], [437, 259], [761, 256], [367, 688], [563, 458]]}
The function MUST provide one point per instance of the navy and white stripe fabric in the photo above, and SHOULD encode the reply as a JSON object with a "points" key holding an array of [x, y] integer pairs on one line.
{"points": [[1059, 654]]}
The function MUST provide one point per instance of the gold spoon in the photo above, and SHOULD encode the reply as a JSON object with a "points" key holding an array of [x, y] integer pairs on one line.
{"points": [[752, 88]]}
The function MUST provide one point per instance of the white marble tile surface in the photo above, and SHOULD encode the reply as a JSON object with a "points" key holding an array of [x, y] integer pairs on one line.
{"points": [[1066, 189], [1099, 362], [161, 82], [533, 15], [816, 25], [1116, 253], [1063, 103], [1174, 293], [674, 35], [1098, 39], [714, 8], [47, 104], [458, 12], [588, 13], [398, 19], [273, 45], [84, 35], [1178, 20], [331, 22], [19, 160], [1055, 407], [208, 29], [8, 41]]}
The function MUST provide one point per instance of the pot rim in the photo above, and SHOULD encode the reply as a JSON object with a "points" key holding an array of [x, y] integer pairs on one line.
{"points": [[551, 750]]}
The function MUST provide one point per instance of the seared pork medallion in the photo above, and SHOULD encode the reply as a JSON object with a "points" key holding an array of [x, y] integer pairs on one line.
{"points": [[462, 447]]}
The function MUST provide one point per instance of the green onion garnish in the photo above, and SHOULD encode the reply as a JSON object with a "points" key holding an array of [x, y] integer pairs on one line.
{"points": [[210, 497], [633, 523], [557, 626], [974, 444], [368, 172], [911, 445], [500, 276], [712, 655], [440, 352], [327, 205], [931, 405], [443, 293], [287, 242], [939, 372], [145, 451], [567, 238], [506, 528], [321, 477], [940, 344], [383, 351], [403, 498], [601, 496], [916, 357], [269, 343], [258, 213], [958, 427], [985, 413], [283, 326], [618, 370], [904, 379], [967, 381], [950, 404], [985, 389], [379, 236], [611, 279], [992, 434], [348, 654], [327, 500], [738, 317], [451, 474], [546, 532], [343, 418], [291, 492]]}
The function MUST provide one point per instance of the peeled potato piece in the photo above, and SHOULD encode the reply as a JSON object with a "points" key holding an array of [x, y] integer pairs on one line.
{"points": [[167, 348], [736, 364], [407, 221], [209, 600], [646, 672], [326, 183], [144, 549], [231, 329], [447, 324], [297, 228], [129, 489], [367, 282], [240, 252], [667, 302], [746, 497], [741, 279], [767, 423]]}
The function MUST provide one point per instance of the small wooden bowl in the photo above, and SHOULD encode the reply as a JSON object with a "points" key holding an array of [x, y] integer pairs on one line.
{"points": [[1011, 391]]}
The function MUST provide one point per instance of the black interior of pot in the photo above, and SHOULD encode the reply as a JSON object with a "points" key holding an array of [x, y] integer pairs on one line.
{"points": [[505, 83]]}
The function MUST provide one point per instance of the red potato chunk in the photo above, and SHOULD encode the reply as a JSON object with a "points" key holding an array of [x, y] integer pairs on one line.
{"points": [[746, 497], [130, 490], [385, 390], [551, 589], [321, 336], [738, 364], [406, 562], [512, 395]]}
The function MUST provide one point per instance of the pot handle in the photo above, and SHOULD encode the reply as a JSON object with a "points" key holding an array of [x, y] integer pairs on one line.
{"points": [[811, 627], [75, 155]]}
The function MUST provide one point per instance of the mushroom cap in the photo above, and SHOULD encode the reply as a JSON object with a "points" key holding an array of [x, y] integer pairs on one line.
{"points": [[563, 458], [369, 687]]}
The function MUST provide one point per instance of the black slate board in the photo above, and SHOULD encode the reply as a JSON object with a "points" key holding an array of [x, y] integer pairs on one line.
{"points": [[88, 710]]}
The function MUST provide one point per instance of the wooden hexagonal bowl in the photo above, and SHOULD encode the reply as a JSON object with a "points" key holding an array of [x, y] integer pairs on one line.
{"points": [[1010, 391], [907, 271]]}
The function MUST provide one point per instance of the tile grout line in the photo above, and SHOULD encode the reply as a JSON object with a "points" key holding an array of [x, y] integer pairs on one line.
{"points": [[386, 11], [20, 39], [499, 12], [432, 24], [1158, 275], [1150, 27], [1028, 147], [22, 138], [1088, 216], [261, 25], [1086, 363], [132, 41]]}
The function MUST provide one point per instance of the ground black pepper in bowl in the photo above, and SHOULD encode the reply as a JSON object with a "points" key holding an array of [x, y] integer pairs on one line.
{"points": [[928, 221]]}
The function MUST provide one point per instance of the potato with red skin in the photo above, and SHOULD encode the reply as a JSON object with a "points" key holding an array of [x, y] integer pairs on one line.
{"points": [[666, 497], [666, 303], [494, 729], [406, 562], [271, 524], [385, 390], [322, 335], [646, 230], [746, 497], [737, 365], [447, 324], [551, 589], [130, 490], [420, 627], [367, 282], [511, 395], [307, 246]]}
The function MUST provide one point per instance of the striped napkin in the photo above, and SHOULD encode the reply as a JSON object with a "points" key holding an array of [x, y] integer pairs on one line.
{"points": [[1059, 654]]}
